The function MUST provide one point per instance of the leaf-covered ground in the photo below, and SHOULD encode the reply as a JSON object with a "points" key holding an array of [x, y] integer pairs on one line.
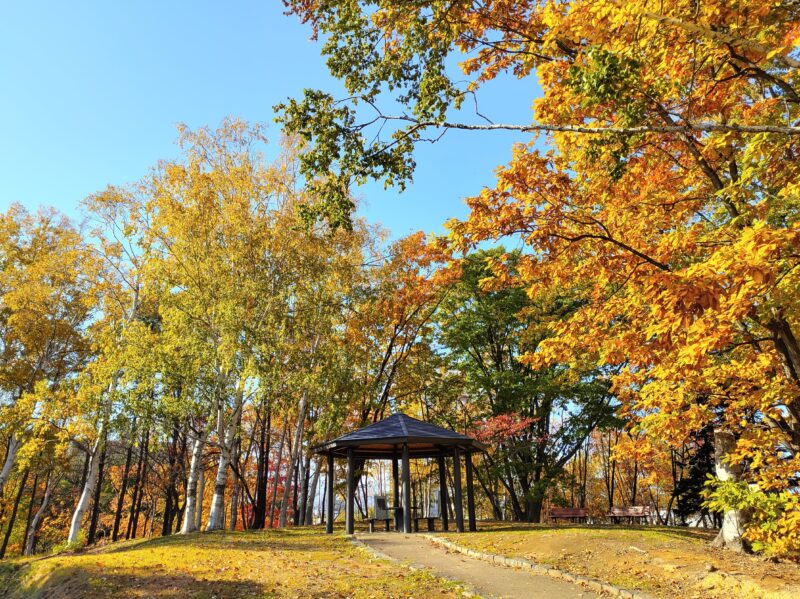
{"points": [[291, 563], [666, 562]]}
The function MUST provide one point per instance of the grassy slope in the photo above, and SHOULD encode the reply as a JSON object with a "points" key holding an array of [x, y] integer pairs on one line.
{"points": [[667, 562], [292, 563]]}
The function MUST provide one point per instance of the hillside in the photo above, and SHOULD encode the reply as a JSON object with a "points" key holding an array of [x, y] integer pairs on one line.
{"points": [[288, 563]]}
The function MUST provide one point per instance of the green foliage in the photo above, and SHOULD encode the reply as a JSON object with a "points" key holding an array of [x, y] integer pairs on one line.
{"points": [[774, 517], [534, 418], [337, 153]]}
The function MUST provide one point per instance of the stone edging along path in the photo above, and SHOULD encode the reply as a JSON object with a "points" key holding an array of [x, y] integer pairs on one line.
{"points": [[466, 590], [516, 562]]}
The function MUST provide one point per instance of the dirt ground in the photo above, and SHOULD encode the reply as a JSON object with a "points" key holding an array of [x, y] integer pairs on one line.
{"points": [[666, 562], [484, 578]]}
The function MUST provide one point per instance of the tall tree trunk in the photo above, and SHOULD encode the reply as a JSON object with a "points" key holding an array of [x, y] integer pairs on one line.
{"points": [[96, 500], [137, 506], [13, 516], [217, 513], [169, 489], [277, 471], [34, 488], [138, 484], [30, 539], [304, 477], [236, 454], [235, 491], [296, 449], [11, 459], [733, 521], [190, 519], [312, 493], [123, 485], [234, 515], [216, 516], [262, 476], [201, 491], [88, 487], [296, 489]]}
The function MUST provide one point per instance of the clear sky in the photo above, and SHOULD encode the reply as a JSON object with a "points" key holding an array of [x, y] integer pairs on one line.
{"points": [[92, 91]]}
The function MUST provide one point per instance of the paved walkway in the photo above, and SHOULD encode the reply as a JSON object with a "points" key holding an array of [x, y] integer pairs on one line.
{"points": [[490, 580]]}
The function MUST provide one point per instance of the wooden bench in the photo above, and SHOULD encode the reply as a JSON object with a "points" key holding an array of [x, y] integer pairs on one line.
{"points": [[637, 513], [381, 513], [573, 514], [431, 522], [372, 521]]}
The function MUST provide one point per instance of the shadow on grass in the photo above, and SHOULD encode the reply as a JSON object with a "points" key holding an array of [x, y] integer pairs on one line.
{"points": [[77, 582], [298, 539]]}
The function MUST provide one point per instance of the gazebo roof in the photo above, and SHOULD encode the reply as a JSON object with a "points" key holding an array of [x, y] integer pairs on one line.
{"points": [[385, 439]]}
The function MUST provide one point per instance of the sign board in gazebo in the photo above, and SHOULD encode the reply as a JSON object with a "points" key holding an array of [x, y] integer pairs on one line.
{"points": [[402, 438]]}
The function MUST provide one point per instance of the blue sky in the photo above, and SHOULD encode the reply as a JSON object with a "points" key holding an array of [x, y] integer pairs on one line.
{"points": [[92, 92]]}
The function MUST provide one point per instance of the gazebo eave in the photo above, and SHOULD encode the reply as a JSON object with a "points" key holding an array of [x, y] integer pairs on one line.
{"points": [[366, 448]]}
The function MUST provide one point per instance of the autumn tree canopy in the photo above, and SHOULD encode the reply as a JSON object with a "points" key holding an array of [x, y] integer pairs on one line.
{"points": [[667, 198]]}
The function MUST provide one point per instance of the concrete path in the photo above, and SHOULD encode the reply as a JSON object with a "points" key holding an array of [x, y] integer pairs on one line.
{"points": [[490, 580]]}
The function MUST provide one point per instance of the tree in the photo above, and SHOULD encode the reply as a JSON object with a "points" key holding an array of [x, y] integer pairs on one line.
{"points": [[535, 419], [667, 198], [47, 300]]}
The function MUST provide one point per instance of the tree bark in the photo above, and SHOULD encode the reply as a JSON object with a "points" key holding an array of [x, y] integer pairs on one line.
{"points": [[136, 507], [30, 539], [227, 437], [96, 500], [13, 515], [296, 449], [89, 486], [11, 459], [34, 488], [217, 513], [733, 521], [262, 476], [277, 471], [123, 486], [190, 512], [138, 484], [201, 491], [312, 493]]}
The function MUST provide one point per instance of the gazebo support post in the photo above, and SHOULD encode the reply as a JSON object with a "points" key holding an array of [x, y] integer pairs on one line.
{"points": [[329, 498], [470, 493], [457, 484], [406, 490], [351, 492], [396, 481], [443, 492]]}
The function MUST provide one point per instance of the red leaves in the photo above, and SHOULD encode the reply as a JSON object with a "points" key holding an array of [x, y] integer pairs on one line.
{"points": [[498, 429]]}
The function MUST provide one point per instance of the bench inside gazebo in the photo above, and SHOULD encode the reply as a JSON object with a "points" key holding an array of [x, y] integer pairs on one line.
{"points": [[401, 438]]}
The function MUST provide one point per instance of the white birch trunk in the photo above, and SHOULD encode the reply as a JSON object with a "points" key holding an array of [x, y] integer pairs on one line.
{"points": [[11, 459], [217, 513], [190, 518], [88, 487], [312, 492], [733, 521], [216, 516], [295, 454]]}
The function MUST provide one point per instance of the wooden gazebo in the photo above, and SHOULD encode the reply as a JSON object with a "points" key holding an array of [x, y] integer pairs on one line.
{"points": [[400, 437]]}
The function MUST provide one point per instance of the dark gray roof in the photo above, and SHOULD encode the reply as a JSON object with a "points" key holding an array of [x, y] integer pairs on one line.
{"points": [[385, 439]]}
